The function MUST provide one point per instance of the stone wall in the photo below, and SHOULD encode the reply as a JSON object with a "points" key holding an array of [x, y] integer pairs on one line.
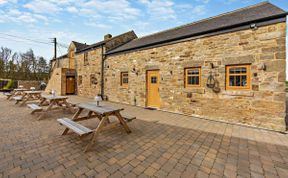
{"points": [[87, 88], [29, 83], [262, 106], [56, 82]]}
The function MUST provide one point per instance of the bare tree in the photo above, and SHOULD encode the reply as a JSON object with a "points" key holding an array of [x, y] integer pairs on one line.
{"points": [[23, 66]]}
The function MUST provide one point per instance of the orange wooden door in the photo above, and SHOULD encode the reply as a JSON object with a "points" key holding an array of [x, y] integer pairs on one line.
{"points": [[153, 95], [70, 85]]}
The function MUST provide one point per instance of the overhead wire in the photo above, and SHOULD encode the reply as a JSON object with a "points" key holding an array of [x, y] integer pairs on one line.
{"points": [[25, 38]]}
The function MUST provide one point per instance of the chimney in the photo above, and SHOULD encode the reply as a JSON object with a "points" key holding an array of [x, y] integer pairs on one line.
{"points": [[107, 37]]}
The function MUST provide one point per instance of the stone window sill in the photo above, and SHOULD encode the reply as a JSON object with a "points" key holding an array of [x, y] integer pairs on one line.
{"points": [[238, 93], [123, 88], [195, 90]]}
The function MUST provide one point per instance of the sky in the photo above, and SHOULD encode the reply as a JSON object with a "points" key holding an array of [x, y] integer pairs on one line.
{"points": [[26, 24]]}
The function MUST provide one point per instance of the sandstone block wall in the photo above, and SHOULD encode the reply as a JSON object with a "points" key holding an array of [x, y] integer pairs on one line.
{"points": [[262, 106], [87, 88], [29, 83], [56, 82]]}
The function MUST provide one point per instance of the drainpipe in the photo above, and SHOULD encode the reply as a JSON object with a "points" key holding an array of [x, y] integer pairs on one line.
{"points": [[102, 71], [76, 74]]}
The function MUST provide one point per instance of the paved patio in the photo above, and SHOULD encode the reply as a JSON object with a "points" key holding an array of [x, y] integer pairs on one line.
{"points": [[161, 145]]}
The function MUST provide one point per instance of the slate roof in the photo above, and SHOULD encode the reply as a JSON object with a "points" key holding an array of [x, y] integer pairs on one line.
{"points": [[95, 45], [79, 46], [249, 14], [98, 44]]}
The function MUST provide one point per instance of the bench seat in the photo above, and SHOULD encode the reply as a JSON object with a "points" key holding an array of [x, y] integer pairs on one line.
{"points": [[18, 98], [7, 94], [74, 126], [128, 118], [35, 107]]}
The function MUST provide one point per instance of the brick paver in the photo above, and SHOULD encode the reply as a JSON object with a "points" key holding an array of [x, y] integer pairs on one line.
{"points": [[161, 145]]}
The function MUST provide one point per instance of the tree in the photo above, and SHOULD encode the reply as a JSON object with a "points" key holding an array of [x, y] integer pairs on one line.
{"points": [[5, 54], [22, 66]]}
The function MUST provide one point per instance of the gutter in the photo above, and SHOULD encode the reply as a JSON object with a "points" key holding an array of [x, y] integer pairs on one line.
{"points": [[216, 30]]}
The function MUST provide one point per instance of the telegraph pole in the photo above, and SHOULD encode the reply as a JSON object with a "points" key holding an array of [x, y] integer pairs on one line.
{"points": [[55, 51]]}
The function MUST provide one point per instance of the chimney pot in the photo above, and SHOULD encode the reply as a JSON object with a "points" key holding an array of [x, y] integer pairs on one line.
{"points": [[107, 37]]}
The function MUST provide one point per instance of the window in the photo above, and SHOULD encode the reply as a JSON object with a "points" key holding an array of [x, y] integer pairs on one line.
{"points": [[193, 77], [80, 80], [153, 79], [124, 79], [238, 77], [93, 79], [86, 58]]}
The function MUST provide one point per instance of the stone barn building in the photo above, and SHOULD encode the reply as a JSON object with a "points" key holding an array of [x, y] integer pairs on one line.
{"points": [[227, 68]]}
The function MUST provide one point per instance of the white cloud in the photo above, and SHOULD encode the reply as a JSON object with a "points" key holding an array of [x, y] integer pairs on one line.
{"points": [[72, 9], [40, 6], [97, 25], [204, 1], [160, 9], [199, 10], [3, 2], [113, 9], [17, 16]]}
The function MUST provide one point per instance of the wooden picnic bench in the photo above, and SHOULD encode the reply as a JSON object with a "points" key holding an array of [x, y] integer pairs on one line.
{"points": [[35, 108], [55, 103], [17, 92], [30, 96], [8, 94], [102, 113], [18, 99]]}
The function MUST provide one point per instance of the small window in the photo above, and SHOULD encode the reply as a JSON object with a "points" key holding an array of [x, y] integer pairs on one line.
{"points": [[86, 58], [93, 79], [124, 79], [192, 77], [238, 77], [80, 80], [153, 79]]}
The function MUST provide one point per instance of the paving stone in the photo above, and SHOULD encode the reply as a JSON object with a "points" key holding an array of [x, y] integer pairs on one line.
{"points": [[176, 146]]}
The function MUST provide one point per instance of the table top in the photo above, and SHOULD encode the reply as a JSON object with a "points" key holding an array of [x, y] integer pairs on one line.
{"points": [[98, 109], [21, 89], [51, 97], [33, 92]]}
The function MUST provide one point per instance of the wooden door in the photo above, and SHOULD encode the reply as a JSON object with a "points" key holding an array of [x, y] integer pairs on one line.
{"points": [[70, 85], [153, 95]]}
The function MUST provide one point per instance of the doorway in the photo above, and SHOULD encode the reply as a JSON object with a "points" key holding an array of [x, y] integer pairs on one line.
{"points": [[152, 85], [70, 85]]}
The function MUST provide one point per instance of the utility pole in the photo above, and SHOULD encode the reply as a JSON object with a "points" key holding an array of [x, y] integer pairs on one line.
{"points": [[55, 51]]}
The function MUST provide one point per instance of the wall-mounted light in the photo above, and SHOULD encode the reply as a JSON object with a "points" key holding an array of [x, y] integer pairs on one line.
{"points": [[261, 66], [253, 26]]}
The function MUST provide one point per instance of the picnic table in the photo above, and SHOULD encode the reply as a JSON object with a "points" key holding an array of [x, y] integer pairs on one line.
{"points": [[101, 112], [15, 92], [30, 96], [55, 103]]}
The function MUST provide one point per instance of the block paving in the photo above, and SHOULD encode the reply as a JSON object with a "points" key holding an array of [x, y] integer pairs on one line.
{"points": [[161, 144]]}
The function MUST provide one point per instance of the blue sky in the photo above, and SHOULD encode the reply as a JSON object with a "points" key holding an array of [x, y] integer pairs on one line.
{"points": [[89, 20]]}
